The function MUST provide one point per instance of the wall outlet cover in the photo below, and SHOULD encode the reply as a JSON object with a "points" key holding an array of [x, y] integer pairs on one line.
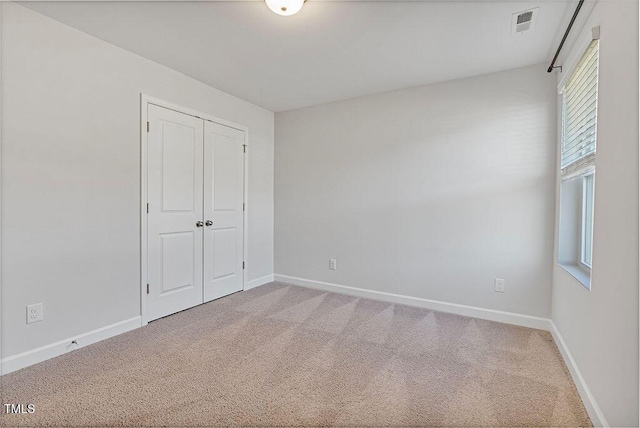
{"points": [[35, 313], [332, 264], [498, 285]]}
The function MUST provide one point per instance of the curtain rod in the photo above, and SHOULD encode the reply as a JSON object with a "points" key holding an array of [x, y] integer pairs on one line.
{"points": [[566, 33]]}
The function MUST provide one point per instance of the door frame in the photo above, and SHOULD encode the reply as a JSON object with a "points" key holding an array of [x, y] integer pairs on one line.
{"points": [[145, 100]]}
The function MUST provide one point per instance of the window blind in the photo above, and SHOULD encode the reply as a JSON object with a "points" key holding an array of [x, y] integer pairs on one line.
{"points": [[579, 115]]}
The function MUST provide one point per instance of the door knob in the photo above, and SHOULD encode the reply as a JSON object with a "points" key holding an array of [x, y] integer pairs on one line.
{"points": [[199, 224], [208, 223]]}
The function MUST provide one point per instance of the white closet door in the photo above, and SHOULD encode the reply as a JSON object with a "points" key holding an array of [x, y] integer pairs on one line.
{"points": [[175, 181], [223, 210]]}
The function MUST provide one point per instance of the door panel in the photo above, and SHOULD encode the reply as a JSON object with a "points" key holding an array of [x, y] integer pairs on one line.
{"points": [[178, 172], [225, 252], [223, 206], [225, 174], [175, 186], [177, 261]]}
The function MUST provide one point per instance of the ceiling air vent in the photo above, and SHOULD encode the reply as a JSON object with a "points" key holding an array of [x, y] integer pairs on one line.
{"points": [[523, 21]]}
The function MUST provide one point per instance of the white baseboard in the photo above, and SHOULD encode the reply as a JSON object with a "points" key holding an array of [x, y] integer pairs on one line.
{"points": [[34, 356], [258, 282], [453, 308], [589, 401]]}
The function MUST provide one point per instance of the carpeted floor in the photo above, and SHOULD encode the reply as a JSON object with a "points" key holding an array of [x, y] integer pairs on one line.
{"points": [[281, 355]]}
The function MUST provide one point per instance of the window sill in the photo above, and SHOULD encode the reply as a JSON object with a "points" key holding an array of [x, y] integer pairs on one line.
{"points": [[578, 273]]}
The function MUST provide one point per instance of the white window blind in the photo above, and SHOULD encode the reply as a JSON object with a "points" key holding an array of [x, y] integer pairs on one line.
{"points": [[579, 115]]}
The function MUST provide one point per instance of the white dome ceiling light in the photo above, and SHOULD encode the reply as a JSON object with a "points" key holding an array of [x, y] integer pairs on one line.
{"points": [[285, 7]]}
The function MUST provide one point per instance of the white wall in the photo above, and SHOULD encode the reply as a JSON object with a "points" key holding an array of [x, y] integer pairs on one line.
{"points": [[71, 176], [600, 326], [428, 192]]}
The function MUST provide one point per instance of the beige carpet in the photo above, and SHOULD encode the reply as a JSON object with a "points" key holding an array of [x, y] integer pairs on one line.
{"points": [[284, 355]]}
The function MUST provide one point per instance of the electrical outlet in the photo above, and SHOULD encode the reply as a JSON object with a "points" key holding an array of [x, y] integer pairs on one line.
{"points": [[498, 285], [332, 264], [34, 313]]}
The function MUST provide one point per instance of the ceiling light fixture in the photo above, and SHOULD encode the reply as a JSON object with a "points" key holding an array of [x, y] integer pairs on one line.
{"points": [[285, 7]]}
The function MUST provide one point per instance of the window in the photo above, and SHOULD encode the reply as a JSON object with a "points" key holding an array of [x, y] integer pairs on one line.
{"points": [[587, 220], [577, 163]]}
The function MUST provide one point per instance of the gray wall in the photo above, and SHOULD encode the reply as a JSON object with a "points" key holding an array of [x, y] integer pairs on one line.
{"points": [[71, 176], [600, 326], [428, 192]]}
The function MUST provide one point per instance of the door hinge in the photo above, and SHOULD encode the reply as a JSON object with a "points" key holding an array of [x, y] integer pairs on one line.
{"points": [[147, 208], [147, 126], [244, 148], [243, 206], [147, 288], [242, 265]]}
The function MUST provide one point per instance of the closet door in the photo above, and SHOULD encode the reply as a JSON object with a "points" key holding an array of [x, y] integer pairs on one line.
{"points": [[175, 186], [223, 210]]}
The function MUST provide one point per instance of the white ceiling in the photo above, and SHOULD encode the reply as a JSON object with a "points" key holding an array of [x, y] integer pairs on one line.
{"points": [[329, 51]]}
